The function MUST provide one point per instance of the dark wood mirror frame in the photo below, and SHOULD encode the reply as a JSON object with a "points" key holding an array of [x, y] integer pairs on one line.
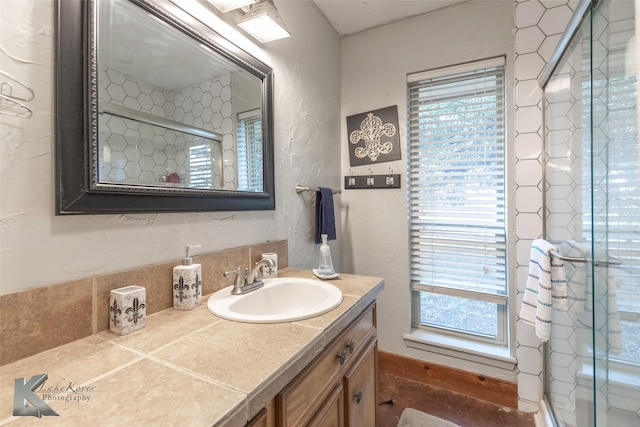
{"points": [[77, 188]]}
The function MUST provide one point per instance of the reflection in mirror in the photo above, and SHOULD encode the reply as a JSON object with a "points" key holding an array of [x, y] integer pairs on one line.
{"points": [[156, 112], [173, 113]]}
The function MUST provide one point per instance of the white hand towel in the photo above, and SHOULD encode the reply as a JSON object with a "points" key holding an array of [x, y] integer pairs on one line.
{"points": [[546, 288]]}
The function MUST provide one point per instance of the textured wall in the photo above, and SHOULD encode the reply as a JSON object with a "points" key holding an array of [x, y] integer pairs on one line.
{"points": [[38, 248], [374, 68]]}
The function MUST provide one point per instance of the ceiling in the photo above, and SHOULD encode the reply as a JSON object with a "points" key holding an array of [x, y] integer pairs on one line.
{"points": [[352, 16]]}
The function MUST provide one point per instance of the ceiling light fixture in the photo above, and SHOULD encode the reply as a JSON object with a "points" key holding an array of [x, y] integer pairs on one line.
{"points": [[229, 5], [263, 22]]}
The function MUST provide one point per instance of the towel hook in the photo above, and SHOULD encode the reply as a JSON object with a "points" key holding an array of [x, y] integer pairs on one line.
{"points": [[6, 88], [352, 180], [11, 107], [389, 177]]}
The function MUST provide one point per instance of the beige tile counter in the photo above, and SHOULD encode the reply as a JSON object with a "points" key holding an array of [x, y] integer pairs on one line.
{"points": [[184, 368]]}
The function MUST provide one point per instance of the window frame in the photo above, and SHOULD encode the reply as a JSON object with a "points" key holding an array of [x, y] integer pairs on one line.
{"points": [[503, 309]]}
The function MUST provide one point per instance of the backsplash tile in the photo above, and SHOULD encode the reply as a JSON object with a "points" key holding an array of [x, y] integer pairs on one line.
{"points": [[157, 279], [40, 319], [44, 318], [279, 247], [214, 265]]}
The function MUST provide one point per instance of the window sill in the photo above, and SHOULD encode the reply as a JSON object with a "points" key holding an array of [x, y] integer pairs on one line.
{"points": [[486, 354]]}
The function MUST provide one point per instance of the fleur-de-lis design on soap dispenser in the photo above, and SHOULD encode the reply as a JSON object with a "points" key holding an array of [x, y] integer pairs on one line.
{"points": [[115, 310], [181, 287], [134, 311], [196, 285]]}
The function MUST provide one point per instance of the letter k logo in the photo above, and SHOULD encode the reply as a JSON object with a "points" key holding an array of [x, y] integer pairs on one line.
{"points": [[24, 392]]}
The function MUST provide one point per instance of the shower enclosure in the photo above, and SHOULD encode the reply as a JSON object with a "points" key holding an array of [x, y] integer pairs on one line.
{"points": [[592, 213]]}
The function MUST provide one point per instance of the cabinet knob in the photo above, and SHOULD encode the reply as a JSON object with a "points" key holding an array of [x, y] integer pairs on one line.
{"points": [[358, 397], [343, 357], [351, 346]]}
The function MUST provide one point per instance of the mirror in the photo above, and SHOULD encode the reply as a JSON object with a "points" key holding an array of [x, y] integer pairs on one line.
{"points": [[155, 112]]}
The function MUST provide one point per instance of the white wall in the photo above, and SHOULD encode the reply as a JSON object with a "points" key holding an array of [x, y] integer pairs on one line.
{"points": [[374, 68], [38, 248]]}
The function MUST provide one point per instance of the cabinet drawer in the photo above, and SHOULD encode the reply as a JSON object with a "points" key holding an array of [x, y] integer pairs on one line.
{"points": [[304, 395]]}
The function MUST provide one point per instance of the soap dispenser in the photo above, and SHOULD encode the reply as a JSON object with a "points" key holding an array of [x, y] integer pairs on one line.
{"points": [[187, 282], [325, 265]]}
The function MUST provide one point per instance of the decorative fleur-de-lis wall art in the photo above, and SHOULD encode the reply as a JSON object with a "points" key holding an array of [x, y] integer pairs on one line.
{"points": [[182, 288], [373, 136], [135, 311], [115, 312], [196, 285]]}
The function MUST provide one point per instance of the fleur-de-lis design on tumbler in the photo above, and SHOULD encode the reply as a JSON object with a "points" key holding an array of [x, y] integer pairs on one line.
{"points": [[134, 311], [181, 287], [269, 270], [115, 310], [371, 129], [196, 285]]}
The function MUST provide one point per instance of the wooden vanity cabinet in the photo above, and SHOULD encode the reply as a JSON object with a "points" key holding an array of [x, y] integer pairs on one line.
{"points": [[331, 412], [360, 391], [260, 420], [339, 387]]}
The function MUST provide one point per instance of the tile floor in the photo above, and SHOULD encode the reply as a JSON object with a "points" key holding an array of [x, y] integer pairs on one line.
{"points": [[458, 408]]}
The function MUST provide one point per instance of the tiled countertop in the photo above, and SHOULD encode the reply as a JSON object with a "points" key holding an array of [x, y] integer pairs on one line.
{"points": [[184, 368]]}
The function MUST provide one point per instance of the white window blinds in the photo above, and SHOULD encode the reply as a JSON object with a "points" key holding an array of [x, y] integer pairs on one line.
{"points": [[201, 165], [457, 181], [250, 159]]}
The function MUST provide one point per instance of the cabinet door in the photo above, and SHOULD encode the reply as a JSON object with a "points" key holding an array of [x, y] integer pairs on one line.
{"points": [[299, 401], [260, 420], [331, 413], [360, 389]]}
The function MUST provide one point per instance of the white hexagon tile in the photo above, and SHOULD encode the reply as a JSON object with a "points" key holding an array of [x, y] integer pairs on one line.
{"points": [[538, 26], [136, 153]]}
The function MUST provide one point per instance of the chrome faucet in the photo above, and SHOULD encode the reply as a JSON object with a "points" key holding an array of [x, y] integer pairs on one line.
{"points": [[251, 280]]}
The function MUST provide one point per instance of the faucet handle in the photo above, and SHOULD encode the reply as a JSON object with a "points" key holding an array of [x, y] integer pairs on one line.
{"points": [[239, 279]]}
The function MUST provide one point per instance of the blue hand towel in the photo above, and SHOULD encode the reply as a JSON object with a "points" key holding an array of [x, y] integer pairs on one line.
{"points": [[325, 218]]}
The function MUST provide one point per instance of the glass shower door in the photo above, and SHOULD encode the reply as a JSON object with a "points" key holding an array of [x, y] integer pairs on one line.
{"points": [[615, 215], [567, 95], [592, 206]]}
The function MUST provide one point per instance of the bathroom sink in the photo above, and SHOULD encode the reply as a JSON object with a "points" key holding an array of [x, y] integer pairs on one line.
{"points": [[283, 299]]}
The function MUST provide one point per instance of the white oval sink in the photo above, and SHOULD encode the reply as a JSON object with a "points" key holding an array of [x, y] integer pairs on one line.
{"points": [[283, 299]]}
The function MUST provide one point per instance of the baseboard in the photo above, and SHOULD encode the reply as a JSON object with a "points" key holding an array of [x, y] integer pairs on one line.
{"points": [[544, 418], [471, 384]]}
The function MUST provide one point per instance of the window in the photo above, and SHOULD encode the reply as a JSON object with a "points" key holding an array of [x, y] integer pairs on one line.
{"points": [[201, 164], [456, 208], [250, 151]]}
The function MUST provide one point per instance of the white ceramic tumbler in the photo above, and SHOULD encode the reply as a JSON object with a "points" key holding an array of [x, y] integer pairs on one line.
{"points": [[270, 272]]}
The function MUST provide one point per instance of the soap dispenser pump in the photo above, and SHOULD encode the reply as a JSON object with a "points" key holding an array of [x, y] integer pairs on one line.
{"points": [[325, 264], [187, 282]]}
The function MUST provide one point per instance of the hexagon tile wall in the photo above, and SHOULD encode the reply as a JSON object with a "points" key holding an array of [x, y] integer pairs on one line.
{"points": [[539, 26], [142, 154]]}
